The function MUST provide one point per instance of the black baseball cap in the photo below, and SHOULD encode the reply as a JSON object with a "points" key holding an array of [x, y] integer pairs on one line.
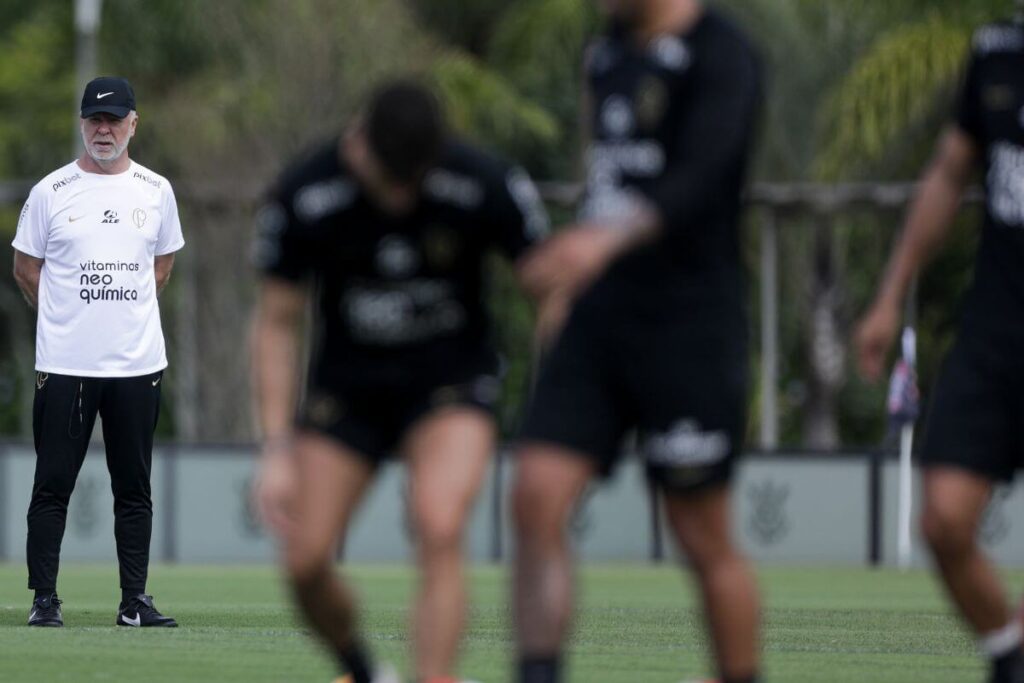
{"points": [[109, 95]]}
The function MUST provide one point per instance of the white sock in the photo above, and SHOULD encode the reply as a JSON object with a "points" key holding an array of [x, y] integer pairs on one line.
{"points": [[1002, 641]]}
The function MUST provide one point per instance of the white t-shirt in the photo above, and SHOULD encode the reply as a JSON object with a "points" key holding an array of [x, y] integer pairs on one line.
{"points": [[97, 235]]}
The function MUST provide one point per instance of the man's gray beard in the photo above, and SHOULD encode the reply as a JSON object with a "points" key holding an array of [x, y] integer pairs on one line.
{"points": [[118, 151]]}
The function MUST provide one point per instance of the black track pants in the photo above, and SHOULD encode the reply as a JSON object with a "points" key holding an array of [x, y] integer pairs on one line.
{"points": [[63, 417]]}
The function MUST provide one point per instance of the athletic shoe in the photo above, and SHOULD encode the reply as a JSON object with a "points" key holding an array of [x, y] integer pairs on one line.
{"points": [[140, 612], [46, 612], [385, 674]]}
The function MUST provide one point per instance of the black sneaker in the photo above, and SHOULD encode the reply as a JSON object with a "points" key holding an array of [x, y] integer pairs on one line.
{"points": [[139, 611], [46, 612]]}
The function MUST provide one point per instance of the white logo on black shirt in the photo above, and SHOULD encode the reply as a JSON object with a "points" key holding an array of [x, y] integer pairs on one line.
{"points": [[1006, 184], [617, 116], [315, 201], [671, 53], [998, 39], [396, 258]]}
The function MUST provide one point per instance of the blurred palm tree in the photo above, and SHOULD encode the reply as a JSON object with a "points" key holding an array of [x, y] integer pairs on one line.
{"points": [[879, 122]]}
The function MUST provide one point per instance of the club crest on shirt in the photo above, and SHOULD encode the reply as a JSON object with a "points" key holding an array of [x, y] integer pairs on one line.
{"points": [[440, 246], [651, 102], [139, 218]]}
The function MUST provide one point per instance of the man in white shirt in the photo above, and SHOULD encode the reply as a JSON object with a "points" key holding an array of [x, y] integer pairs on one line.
{"points": [[95, 245]]}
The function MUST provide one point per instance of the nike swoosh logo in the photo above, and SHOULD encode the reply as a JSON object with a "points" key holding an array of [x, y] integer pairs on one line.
{"points": [[157, 381], [72, 219], [32, 616], [100, 96], [137, 621]]}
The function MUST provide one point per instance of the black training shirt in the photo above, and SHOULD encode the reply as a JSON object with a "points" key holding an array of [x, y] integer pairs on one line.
{"points": [[991, 111], [672, 123], [396, 295]]}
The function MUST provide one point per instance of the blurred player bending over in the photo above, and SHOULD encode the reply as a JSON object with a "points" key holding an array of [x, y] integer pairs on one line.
{"points": [[975, 431], [391, 222], [656, 337]]}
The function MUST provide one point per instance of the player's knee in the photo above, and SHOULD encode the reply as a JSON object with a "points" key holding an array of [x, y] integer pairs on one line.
{"points": [[947, 530], [529, 510], [438, 531], [56, 485]]}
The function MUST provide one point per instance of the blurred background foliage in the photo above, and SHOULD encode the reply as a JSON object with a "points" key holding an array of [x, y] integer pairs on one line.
{"points": [[231, 91]]}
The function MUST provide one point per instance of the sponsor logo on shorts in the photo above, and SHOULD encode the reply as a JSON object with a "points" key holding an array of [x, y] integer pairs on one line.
{"points": [[685, 444], [41, 378]]}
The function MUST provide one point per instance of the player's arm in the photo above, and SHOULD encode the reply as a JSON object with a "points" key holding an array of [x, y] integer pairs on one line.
{"points": [[27, 271], [162, 266], [275, 352], [928, 222], [555, 271], [275, 344], [712, 144]]}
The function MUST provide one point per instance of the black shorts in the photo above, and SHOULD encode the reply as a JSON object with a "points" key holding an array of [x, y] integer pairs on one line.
{"points": [[680, 384], [372, 419], [976, 418]]}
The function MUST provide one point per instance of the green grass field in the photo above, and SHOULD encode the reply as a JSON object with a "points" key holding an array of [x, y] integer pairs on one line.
{"points": [[635, 624]]}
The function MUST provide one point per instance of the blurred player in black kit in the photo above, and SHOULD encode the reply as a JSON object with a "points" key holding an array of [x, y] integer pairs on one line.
{"points": [[391, 223], [974, 437], [655, 338]]}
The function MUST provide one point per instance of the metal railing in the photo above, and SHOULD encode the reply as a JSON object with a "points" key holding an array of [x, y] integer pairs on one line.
{"points": [[770, 203]]}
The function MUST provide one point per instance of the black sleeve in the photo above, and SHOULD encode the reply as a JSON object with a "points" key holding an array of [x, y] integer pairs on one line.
{"points": [[968, 106], [516, 210], [282, 246], [713, 138]]}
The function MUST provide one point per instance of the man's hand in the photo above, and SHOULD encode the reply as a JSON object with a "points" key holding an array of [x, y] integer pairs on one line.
{"points": [[875, 336], [572, 259], [274, 491]]}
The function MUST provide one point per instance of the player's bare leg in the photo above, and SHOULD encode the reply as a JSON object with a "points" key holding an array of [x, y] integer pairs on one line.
{"points": [[330, 482], [549, 482], [954, 502], [701, 525], [447, 454]]}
